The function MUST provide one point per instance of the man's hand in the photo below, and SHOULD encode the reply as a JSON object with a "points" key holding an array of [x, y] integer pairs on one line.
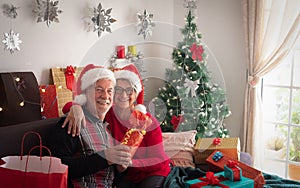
{"points": [[75, 120], [119, 154]]}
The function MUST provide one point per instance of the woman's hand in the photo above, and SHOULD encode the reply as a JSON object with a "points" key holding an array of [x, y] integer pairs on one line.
{"points": [[75, 120]]}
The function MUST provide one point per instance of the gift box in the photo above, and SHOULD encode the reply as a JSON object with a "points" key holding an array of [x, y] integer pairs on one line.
{"points": [[206, 146], [48, 101], [209, 181], [216, 164], [62, 80], [232, 171]]}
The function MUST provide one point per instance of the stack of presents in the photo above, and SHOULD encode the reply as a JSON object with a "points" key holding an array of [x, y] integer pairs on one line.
{"points": [[221, 155]]}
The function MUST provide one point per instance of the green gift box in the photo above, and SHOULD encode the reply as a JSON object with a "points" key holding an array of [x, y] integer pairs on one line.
{"points": [[243, 183]]}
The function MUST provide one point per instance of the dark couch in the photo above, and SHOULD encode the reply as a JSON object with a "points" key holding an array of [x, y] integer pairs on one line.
{"points": [[11, 136], [16, 120]]}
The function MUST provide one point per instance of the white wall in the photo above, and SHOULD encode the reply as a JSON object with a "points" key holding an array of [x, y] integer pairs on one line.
{"points": [[68, 43]]}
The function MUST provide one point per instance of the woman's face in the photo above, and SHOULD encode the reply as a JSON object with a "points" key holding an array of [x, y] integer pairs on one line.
{"points": [[125, 94]]}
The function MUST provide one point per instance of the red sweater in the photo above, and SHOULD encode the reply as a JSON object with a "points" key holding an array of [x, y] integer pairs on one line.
{"points": [[150, 158]]}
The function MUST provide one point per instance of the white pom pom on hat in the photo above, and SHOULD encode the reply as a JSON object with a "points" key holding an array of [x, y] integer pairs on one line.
{"points": [[131, 73], [88, 76]]}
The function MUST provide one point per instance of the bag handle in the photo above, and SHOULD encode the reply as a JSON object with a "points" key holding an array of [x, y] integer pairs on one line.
{"points": [[23, 139], [41, 147]]}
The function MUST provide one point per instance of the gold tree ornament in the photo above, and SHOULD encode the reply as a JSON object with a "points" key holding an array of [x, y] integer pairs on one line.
{"points": [[47, 11], [12, 41]]}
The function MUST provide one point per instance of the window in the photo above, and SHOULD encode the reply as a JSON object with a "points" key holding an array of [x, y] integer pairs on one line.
{"points": [[281, 117]]}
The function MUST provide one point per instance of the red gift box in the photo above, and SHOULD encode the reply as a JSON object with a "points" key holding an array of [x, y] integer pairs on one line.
{"points": [[49, 101], [247, 171]]}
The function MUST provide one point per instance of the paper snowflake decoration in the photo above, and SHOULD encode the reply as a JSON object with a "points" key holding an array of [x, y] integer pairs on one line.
{"points": [[12, 41], [100, 21], [145, 24], [10, 11], [47, 11]]}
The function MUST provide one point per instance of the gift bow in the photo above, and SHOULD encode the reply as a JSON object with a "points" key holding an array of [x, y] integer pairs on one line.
{"points": [[191, 86], [140, 120], [70, 70], [210, 179], [176, 120], [217, 141], [231, 163], [70, 78], [217, 156], [197, 51]]}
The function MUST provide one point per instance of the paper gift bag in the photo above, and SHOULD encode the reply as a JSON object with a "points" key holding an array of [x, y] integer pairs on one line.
{"points": [[28, 171]]}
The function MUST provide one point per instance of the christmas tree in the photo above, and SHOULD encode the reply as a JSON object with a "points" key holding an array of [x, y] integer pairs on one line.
{"points": [[189, 101]]}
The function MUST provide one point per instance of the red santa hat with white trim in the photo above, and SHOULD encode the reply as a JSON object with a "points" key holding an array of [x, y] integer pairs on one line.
{"points": [[89, 75], [130, 72]]}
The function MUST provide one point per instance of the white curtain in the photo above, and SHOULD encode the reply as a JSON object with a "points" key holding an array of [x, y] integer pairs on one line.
{"points": [[272, 27]]}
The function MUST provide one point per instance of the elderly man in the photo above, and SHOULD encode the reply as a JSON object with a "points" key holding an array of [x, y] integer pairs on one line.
{"points": [[91, 157]]}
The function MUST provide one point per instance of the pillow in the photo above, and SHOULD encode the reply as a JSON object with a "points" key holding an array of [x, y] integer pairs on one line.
{"points": [[179, 146]]}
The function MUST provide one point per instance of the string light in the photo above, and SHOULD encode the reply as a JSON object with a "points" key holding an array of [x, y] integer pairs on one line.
{"points": [[1, 109], [22, 103]]}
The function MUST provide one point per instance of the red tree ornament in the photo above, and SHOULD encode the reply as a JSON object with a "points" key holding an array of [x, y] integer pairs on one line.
{"points": [[197, 52]]}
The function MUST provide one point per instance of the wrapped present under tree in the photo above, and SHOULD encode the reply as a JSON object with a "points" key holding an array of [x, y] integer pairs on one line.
{"points": [[216, 164], [206, 146]]}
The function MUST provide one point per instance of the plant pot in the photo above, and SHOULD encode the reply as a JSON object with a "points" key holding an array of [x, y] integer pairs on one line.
{"points": [[294, 171], [272, 154]]}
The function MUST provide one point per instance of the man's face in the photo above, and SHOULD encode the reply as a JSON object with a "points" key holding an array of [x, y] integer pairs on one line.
{"points": [[100, 97]]}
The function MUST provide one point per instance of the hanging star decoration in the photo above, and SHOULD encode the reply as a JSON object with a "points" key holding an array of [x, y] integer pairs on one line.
{"points": [[190, 4], [101, 20], [10, 11], [12, 41], [47, 11], [145, 24]]}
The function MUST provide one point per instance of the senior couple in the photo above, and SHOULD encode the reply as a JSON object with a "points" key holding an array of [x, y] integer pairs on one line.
{"points": [[103, 103]]}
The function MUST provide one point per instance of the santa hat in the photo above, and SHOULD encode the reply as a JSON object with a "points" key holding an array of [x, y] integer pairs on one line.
{"points": [[131, 73], [89, 75]]}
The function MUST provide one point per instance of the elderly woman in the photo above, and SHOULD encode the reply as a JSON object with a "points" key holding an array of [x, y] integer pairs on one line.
{"points": [[150, 165]]}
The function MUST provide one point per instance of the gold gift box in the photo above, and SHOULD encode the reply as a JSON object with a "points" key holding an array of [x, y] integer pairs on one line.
{"points": [[205, 147], [64, 95]]}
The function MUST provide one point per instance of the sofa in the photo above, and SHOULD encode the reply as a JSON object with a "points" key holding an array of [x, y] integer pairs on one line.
{"points": [[16, 121]]}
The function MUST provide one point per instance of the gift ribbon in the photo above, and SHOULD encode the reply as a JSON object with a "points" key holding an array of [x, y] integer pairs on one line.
{"points": [[217, 156], [70, 78], [235, 170], [210, 179]]}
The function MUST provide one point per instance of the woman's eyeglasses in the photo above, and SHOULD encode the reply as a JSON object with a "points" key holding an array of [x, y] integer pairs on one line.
{"points": [[120, 90]]}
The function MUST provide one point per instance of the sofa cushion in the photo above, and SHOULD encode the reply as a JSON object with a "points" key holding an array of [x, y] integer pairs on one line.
{"points": [[179, 147]]}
